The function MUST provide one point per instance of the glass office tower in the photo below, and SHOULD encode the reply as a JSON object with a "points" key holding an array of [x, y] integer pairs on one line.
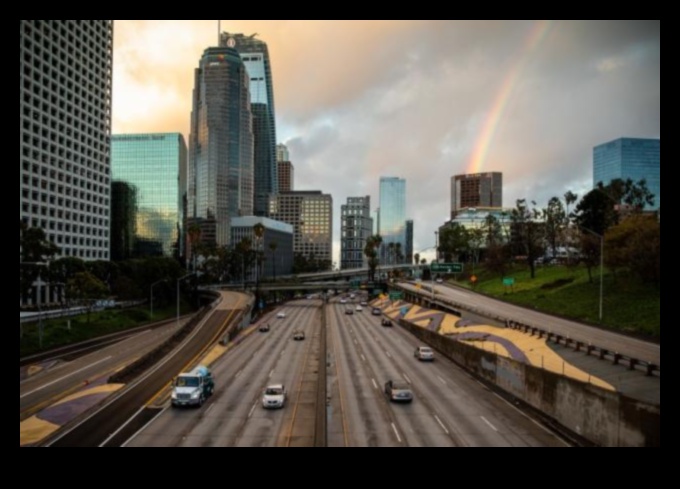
{"points": [[633, 158], [65, 69], [220, 145], [392, 218], [255, 56], [149, 175]]}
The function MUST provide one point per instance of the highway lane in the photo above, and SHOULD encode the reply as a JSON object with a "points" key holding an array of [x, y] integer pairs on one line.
{"points": [[234, 415], [60, 378], [449, 409], [626, 345]]}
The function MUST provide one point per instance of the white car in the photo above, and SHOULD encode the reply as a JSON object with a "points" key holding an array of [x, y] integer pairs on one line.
{"points": [[281, 315], [343, 301], [359, 308], [274, 396], [424, 353], [440, 281]]}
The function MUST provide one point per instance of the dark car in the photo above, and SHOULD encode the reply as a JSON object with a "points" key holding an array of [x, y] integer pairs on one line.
{"points": [[386, 322], [398, 391], [349, 311], [299, 335], [264, 328]]}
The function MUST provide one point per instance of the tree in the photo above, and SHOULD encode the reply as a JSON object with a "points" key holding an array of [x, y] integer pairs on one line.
{"points": [[34, 248], [554, 218], [371, 252], [635, 244], [529, 232], [86, 289], [416, 259], [454, 240]]}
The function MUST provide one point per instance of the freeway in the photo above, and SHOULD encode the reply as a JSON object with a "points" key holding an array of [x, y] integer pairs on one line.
{"points": [[234, 416], [450, 408], [487, 306]]}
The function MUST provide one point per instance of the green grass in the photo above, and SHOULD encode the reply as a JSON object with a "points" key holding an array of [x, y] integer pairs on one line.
{"points": [[628, 305], [56, 332]]}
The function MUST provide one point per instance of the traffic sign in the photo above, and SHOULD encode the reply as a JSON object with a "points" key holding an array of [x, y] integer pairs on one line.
{"points": [[395, 296], [446, 267]]}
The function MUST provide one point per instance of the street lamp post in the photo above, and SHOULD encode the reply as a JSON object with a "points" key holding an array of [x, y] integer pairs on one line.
{"points": [[178, 281], [601, 264]]}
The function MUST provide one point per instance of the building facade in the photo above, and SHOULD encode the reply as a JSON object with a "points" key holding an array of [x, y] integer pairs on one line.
{"points": [[282, 153], [221, 172], [356, 226], [286, 175], [276, 244], [255, 56], [152, 168], [408, 255], [633, 158], [65, 69], [476, 190], [392, 227], [311, 215]]}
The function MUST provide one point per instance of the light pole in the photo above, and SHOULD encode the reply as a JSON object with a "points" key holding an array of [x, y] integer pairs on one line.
{"points": [[152, 286], [601, 264], [178, 281]]}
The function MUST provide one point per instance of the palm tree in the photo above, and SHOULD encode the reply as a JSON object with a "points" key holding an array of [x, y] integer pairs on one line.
{"points": [[272, 247], [194, 233]]}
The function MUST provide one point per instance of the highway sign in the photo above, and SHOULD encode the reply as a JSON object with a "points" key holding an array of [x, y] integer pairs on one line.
{"points": [[446, 267], [395, 296]]}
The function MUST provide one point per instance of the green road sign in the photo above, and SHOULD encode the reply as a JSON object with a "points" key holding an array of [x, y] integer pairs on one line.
{"points": [[395, 296], [446, 267], [508, 281]]}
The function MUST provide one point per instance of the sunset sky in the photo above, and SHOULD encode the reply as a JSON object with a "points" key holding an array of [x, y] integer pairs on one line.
{"points": [[421, 100]]}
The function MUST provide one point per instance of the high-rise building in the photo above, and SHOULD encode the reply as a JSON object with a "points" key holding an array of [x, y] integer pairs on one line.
{"points": [[282, 153], [633, 158], [64, 128], [276, 244], [286, 176], [392, 219], [476, 190], [154, 165], [255, 56], [220, 171], [311, 215], [356, 227]]}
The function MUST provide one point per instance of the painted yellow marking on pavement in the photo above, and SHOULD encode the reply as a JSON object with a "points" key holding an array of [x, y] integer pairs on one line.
{"points": [[33, 430]]}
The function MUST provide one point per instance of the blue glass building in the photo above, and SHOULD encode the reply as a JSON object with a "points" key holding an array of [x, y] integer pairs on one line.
{"points": [[633, 158], [255, 56], [392, 222], [149, 181]]}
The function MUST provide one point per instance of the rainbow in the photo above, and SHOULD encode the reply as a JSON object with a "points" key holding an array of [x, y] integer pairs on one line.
{"points": [[483, 142]]}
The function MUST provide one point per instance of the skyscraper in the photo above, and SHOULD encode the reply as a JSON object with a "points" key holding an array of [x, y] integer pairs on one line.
{"points": [[64, 127], [408, 254], [633, 158], [282, 153], [476, 190], [286, 176], [392, 219], [311, 215], [220, 145], [154, 165], [255, 56], [356, 226]]}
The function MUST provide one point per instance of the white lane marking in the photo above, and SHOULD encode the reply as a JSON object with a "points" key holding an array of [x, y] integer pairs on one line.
{"points": [[271, 373], [407, 379], [396, 433], [363, 357], [374, 384], [64, 377], [487, 422], [388, 354], [209, 408], [238, 373], [441, 380], [441, 424], [252, 410]]}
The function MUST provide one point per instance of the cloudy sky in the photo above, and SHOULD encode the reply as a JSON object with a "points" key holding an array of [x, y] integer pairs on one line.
{"points": [[421, 100]]}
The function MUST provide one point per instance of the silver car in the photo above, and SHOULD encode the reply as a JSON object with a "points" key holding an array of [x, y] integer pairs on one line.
{"points": [[398, 391], [424, 353], [274, 396]]}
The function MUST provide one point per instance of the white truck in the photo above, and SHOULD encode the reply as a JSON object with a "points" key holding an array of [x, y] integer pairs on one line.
{"points": [[192, 388]]}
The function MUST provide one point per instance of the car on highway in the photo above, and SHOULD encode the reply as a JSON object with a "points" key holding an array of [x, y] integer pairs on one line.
{"points": [[440, 281], [349, 311], [274, 396], [398, 391], [343, 301], [281, 315], [359, 308], [424, 354], [264, 328], [298, 335], [364, 303], [376, 312], [386, 322]]}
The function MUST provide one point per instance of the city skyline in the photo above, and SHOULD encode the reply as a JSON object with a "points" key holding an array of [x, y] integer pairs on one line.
{"points": [[429, 99]]}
